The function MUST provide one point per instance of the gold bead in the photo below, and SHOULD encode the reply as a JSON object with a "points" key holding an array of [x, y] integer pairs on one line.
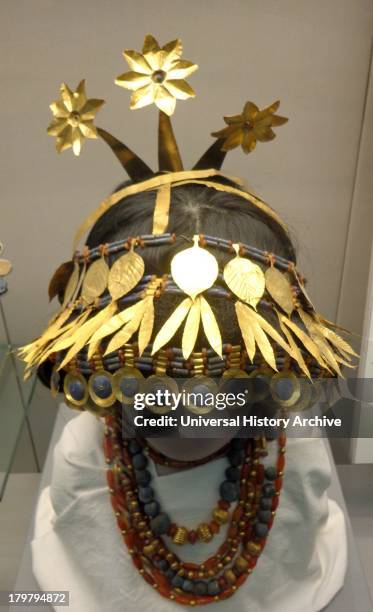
{"points": [[253, 548], [170, 557], [230, 577], [227, 560], [204, 533], [221, 516], [180, 536], [190, 574], [241, 564], [174, 565]]}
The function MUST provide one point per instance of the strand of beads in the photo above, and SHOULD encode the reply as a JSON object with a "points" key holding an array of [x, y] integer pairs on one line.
{"points": [[221, 575]]}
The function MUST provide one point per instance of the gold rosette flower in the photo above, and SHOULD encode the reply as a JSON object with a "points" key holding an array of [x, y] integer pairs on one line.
{"points": [[73, 118], [157, 75], [251, 125]]}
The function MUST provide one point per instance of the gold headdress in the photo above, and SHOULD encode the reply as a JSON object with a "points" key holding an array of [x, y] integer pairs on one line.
{"points": [[104, 308]]}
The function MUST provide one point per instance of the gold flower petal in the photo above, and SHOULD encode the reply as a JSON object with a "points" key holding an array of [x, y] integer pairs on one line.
{"points": [[133, 80], [88, 129], [264, 134], [79, 96], [181, 69], [180, 89], [250, 110], [56, 126], [233, 140], [91, 108], [278, 120], [67, 97], [155, 59], [142, 97], [136, 62], [249, 142], [64, 139], [165, 101], [59, 110], [150, 45], [77, 140], [268, 110], [230, 119]]}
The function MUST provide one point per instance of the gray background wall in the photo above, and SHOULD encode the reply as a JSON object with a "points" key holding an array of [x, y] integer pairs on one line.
{"points": [[314, 56]]}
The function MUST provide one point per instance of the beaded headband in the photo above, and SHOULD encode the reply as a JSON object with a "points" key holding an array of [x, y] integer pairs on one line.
{"points": [[105, 307]]}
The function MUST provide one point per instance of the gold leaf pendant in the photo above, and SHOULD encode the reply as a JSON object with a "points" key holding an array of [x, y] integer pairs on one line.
{"points": [[191, 328], [95, 281], [72, 285], [211, 328], [170, 327], [244, 278], [125, 273], [279, 289], [124, 334], [194, 270]]}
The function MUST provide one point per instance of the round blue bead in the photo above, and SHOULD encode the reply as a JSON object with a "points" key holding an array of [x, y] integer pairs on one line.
{"points": [[284, 388], [264, 516], [169, 573], [143, 477], [152, 508], [268, 490], [235, 457], [160, 523], [139, 461], [187, 586], [146, 494], [261, 530], [271, 473], [232, 473], [161, 565], [200, 588], [229, 491], [213, 587], [266, 503], [177, 581], [134, 447]]}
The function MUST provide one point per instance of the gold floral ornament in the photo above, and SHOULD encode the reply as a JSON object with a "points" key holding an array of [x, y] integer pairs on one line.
{"points": [[73, 118], [157, 75], [194, 270], [251, 125]]}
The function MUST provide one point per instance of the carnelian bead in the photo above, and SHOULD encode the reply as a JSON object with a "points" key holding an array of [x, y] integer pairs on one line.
{"points": [[280, 463], [204, 599], [282, 441], [137, 561], [161, 579], [226, 594], [260, 474], [210, 562], [192, 536], [190, 566], [110, 479], [278, 484], [237, 513], [130, 539], [275, 503], [172, 529], [164, 591], [225, 505], [182, 599], [214, 527], [108, 449], [222, 583], [232, 531], [241, 579], [148, 579], [245, 470]]}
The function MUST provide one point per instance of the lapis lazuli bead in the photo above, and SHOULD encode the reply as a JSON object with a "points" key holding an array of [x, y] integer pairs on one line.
{"points": [[271, 473], [264, 516], [187, 586], [232, 473], [143, 477], [229, 491], [213, 587], [152, 508], [268, 490], [200, 588], [139, 461], [261, 530], [77, 389], [129, 386], [102, 386], [146, 494], [160, 523], [266, 503], [134, 447]]}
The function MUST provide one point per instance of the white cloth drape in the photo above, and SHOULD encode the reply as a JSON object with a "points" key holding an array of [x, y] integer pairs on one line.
{"points": [[77, 545]]}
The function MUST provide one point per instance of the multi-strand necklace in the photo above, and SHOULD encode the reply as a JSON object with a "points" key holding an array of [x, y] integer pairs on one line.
{"points": [[249, 496]]}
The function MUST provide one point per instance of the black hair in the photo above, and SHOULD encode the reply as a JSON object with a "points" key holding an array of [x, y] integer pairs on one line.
{"points": [[194, 209]]}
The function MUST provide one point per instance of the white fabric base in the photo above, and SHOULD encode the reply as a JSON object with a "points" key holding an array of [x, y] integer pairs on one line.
{"points": [[77, 545]]}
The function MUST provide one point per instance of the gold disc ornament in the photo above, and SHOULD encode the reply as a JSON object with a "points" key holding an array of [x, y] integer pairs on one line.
{"points": [[194, 270], [244, 278]]}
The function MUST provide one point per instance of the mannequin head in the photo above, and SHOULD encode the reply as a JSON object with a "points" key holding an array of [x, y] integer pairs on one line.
{"points": [[194, 209]]}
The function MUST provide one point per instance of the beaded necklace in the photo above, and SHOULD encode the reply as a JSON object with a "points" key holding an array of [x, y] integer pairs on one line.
{"points": [[145, 526]]}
